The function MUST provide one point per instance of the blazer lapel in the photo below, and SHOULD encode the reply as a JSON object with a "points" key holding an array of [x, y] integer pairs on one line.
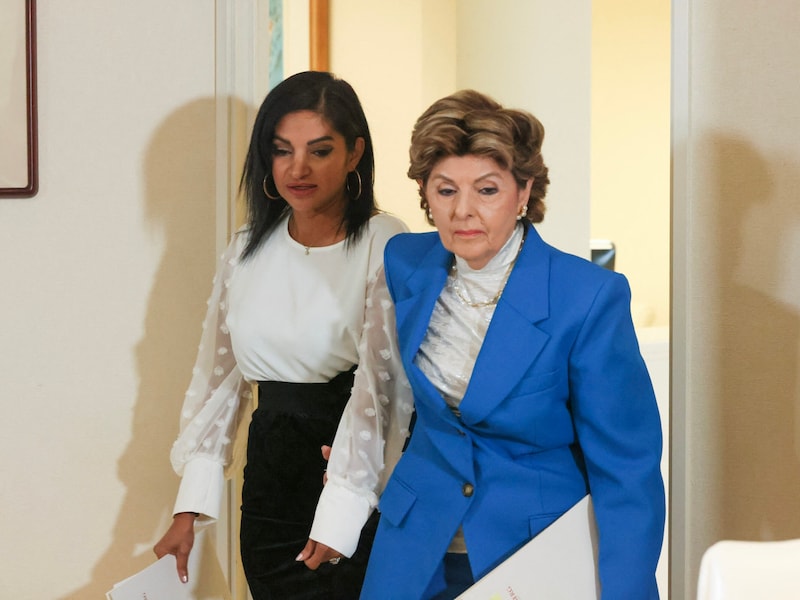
{"points": [[512, 341], [414, 308]]}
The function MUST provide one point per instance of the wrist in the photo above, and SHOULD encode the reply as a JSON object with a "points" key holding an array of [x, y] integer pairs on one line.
{"points": [[185, 516]]}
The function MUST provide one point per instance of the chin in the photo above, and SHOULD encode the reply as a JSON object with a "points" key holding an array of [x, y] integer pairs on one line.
{"points": [[468, 252]]}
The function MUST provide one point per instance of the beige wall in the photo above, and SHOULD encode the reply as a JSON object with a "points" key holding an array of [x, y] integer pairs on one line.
{"points": [[425, 50], [536, 55], [598, 80], [736, 325], [630, 146], [382, 50], [104, 278]]}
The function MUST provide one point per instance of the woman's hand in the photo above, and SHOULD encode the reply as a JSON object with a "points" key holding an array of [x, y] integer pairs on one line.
{"points": [[326, 454], [316, 553], [178, 541]]}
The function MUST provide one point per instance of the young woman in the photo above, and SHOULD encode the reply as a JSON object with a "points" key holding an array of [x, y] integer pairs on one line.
{"points": [[287, 312]]}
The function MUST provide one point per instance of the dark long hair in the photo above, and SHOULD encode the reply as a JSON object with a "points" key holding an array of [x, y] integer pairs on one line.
{"points": [[336, 101]]}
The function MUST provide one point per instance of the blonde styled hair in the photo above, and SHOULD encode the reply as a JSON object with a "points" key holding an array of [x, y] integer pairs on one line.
{"points": [[470, 123]]}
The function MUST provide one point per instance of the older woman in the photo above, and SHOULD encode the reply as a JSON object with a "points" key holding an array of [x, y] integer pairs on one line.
{"points": [[528, 385]]}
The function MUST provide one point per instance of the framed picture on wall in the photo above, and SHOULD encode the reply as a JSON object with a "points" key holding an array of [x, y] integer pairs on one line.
{"points": [[19, 175]]}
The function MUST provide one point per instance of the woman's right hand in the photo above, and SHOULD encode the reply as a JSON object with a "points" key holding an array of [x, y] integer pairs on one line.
{"points": [[178, 541], [326, 455]]}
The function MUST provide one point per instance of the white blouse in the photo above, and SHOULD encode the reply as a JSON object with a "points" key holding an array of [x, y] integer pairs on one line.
{"points": [[286, 313], [375, 422]]}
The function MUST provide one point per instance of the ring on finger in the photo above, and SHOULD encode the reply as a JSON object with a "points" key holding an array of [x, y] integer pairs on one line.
{"points": [[335, 560]]}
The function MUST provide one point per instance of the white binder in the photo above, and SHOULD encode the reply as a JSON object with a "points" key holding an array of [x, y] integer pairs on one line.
{"points": [[558, 564]]}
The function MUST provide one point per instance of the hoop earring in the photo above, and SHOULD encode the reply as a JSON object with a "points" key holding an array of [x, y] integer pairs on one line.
{"points": [[266, 190], [347, 185]]}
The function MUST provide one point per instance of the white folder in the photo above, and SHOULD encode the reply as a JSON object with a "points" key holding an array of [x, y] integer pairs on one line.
{"points": [[160, 580], [558, 564]]}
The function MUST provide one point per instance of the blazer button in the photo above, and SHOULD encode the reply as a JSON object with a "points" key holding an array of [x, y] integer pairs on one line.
{"points": [[467, 489]]}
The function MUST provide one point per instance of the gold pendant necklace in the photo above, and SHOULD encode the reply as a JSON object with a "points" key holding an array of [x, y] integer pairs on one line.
{"points": [[296, 237]]}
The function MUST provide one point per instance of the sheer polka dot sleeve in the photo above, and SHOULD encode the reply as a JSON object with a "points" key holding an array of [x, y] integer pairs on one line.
{"points": [[216, 403], [372, 431]]}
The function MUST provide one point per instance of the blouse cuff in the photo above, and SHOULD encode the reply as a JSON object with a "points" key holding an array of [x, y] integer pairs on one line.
{"points": [[201, 488], [341, 513]]}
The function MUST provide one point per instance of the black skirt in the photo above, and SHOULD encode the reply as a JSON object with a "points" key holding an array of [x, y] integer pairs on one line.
{"points": [[282, 483]]}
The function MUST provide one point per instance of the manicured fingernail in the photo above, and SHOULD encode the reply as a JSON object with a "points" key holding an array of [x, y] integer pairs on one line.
{"points": [[299, 557], [185, 578]]}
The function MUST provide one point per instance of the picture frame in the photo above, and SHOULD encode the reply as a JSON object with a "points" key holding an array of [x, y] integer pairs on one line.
{"points": [[319, 33], [19, 169]]}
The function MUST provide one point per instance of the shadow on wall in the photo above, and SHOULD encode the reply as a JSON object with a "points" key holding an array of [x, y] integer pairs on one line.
{"points": [[179, 174], [758, 341]]}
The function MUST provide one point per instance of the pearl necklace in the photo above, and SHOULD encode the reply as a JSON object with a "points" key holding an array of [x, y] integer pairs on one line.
{"points": [[494, 299]]}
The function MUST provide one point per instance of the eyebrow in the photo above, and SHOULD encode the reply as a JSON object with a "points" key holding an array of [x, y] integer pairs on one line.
{"points": [[324, 138], [480, 178]]}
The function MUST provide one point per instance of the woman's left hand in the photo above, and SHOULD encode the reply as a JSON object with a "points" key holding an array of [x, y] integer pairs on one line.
{"points": [[316, 553]]}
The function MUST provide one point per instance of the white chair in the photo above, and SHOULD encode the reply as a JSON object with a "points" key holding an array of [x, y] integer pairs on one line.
{"points": [[735, 570]]}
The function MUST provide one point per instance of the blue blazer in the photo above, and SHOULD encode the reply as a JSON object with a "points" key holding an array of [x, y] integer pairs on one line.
{"points": [[559, 404]]}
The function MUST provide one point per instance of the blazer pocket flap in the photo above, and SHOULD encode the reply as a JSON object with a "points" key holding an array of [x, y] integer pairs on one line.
{"points": [[534, 383], [395, 502], [539, 523]]}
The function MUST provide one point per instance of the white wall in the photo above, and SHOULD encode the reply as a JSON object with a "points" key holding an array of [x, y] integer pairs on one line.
{"points": [[736, 237], [104, 278]]}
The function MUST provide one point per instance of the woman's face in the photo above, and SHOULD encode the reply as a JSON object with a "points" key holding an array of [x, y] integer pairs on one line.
{"points": [[310, 162], [474, 203]]}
